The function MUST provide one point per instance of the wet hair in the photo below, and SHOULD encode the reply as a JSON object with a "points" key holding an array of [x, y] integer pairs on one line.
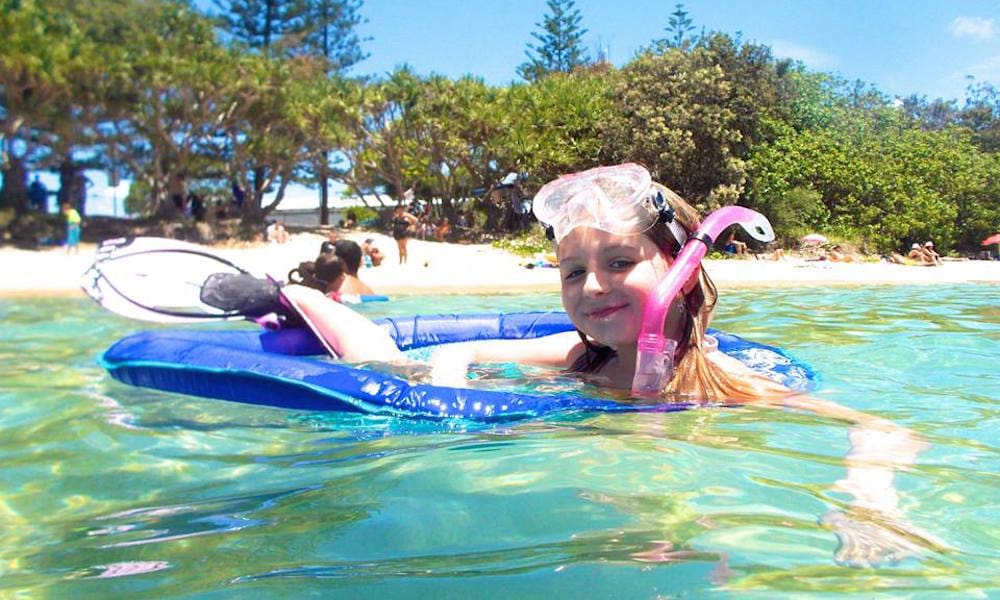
{"points": [[350, 252], [330, 267], [318, 274]]}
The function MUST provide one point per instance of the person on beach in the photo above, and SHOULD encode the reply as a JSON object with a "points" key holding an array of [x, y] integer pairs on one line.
{"points": [[73, 220], [373, 257], [401, 223], [734, 246], [919, 256], [38, 195], [931, 253], [276, 232]]}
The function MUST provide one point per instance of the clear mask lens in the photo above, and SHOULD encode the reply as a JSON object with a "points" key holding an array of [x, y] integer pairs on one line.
{"points": [[617, 199]]}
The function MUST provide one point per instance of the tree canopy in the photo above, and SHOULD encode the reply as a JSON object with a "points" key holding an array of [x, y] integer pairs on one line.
{"points": [[161, 93], [560, 43]]}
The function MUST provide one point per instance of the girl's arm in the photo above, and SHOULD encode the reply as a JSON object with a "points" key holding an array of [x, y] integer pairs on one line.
{"points": [[872, 528], [450, 364]]}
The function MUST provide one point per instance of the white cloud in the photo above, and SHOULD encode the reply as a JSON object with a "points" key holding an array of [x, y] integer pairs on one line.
{"points": [[975, 27], [812, 57]]}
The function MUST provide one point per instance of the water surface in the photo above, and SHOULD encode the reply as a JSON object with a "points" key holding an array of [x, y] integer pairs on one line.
{"points": [[108, 489]]}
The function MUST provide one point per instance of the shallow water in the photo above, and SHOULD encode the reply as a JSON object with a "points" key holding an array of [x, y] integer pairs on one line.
{"points": [[107, 489]]}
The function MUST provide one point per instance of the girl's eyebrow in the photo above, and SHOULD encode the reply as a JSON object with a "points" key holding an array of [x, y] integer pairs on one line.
{"points": [[613, 248]]}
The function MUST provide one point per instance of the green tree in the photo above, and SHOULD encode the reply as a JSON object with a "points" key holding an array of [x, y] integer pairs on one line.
{"points": [[381, 160], [678, 27], [330, 35], [41, 54], [164, 96], [267, 26], [560, 48]]}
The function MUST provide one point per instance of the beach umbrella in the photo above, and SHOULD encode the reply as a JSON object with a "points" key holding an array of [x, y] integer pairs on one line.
{"points": [[815, 239], [993, 239]]}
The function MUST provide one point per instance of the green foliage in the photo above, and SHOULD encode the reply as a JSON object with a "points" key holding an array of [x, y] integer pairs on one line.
{"points": [[149, 89], [330, 33], [560, 43], [692, 114], [794, 214], [363, 213], [527, 243], [266, 25]]}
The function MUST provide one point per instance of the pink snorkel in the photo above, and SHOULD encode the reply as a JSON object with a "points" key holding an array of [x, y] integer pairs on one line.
{"points": [[654, 365]]}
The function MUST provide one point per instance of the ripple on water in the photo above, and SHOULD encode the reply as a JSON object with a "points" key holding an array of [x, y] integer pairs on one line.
{"points": [[111, 490]]}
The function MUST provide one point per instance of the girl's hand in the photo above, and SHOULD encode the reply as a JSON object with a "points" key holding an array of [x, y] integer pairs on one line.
{"points": [[450, 365], [869, 539]]}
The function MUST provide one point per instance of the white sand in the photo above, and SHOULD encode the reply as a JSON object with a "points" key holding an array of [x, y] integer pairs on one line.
{"points": [[452, 268]]}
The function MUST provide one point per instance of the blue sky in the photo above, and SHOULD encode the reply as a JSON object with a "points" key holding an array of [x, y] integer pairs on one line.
{"points": [[902, 47]]}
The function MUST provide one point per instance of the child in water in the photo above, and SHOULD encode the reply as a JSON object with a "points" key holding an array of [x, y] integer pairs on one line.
{"points": [[614, 245], [617, 235]]}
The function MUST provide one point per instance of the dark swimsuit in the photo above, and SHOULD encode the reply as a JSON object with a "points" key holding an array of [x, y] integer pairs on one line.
{"points": [[400, 228]]}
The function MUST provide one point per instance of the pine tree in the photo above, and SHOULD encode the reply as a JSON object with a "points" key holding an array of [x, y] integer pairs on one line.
{"points": [[678, 27], [330, 32], [261, 24], [560, 49]]}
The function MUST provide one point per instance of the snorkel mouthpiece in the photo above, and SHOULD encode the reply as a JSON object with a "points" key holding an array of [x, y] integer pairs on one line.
{"points": [[654, 363]]}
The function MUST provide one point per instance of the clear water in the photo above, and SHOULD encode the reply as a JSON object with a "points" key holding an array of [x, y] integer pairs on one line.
{"points": [[107, 489]]}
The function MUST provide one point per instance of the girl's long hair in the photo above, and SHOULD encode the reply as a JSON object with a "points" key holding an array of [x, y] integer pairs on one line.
{"points": [[696, 378]]}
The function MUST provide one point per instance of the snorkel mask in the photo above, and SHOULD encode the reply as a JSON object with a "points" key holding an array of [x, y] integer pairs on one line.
{"points": [[622, 200]]}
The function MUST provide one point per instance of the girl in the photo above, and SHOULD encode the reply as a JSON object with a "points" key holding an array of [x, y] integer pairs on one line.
{"points": [[617, 234]]}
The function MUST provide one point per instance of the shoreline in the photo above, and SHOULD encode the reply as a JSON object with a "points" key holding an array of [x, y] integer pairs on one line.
{"points": [[448, 268]]}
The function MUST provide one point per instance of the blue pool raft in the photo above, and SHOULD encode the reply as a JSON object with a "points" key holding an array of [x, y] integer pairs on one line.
{"points": [[282, 369]]}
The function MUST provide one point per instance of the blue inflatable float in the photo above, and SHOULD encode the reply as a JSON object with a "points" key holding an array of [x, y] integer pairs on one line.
{"points": [[281, 369]]}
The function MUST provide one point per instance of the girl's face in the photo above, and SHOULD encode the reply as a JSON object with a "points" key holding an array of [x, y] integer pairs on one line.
{"points": [[606, 279]]}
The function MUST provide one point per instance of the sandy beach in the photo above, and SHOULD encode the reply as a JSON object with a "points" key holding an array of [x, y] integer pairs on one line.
{"points": [[435, 268]]}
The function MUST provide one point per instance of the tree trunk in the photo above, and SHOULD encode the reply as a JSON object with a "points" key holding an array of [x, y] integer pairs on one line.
{"points": [[66, 171], [14, 192], [324, 200]]}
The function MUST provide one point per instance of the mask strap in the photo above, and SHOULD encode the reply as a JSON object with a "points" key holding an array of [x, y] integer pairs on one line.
{"points": [[667, 215]]}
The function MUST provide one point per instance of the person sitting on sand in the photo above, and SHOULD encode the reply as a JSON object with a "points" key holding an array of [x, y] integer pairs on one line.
{"points": [[617, 235], [836, 255], [443, 230], [734, 246], [350, 252], [276, 233], [918, 255], [372, 256], [931, 253]]}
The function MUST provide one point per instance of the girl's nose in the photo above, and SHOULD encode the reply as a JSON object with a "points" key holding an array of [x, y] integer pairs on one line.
{"points": [[592, 284]]}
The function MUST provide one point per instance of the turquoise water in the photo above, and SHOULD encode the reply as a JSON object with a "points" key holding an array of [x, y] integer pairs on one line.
{"points": [[107, 489]]}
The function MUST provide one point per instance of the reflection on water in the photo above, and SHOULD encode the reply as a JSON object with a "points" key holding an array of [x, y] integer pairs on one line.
{"points": [[109, 490]]}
